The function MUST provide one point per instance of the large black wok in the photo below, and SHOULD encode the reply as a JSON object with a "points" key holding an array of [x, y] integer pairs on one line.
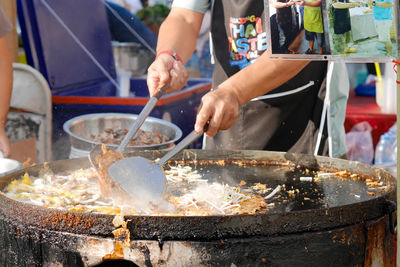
{"points": [[332, 203]]}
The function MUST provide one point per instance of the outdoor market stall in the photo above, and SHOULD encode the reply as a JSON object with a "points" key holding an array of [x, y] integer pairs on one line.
{"points": [[227, 207]]}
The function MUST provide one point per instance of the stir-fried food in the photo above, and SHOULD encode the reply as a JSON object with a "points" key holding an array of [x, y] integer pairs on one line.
{"points": [[209, 199], [190, 191], [79, 191]]}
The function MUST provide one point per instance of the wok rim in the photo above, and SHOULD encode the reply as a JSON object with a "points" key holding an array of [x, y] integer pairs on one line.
{"points": [[156, 227]]}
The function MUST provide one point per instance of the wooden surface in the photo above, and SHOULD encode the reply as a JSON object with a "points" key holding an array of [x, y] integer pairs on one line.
{"points": [[10, 8]]}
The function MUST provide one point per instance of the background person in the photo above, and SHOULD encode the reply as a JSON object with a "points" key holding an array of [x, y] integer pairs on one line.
{"points": [[383, 15], [342, 26], [313, 25], [5, 82], [284, 16], [240, 115]]}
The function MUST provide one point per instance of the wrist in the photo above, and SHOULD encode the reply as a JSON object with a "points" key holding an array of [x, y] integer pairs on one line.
{"points": [[232, 92], [173, 54]]}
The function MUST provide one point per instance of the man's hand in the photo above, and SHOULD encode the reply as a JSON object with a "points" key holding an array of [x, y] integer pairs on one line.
{"points": [[299, 2], [165, 67], [220, 108]]}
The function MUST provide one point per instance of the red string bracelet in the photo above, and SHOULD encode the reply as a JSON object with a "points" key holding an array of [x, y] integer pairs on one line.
{"points": [[172, 54], [396, 64]]}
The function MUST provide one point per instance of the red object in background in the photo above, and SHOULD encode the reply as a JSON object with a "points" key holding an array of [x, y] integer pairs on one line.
{"points": [[364, 108]]}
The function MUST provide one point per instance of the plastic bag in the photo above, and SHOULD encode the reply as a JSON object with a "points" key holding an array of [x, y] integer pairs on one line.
{"points": [[359, 143]]}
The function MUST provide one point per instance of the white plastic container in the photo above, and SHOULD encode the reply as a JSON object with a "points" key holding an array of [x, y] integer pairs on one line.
{"points": [[124, 82], [130, 57], [386, 92]]}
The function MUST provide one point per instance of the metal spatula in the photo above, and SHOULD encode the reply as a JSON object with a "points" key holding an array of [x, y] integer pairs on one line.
{"points": [[142, 179], [97, 151]]}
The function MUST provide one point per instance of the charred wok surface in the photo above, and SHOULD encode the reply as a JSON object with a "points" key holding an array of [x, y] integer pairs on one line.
{"points": [[344, 246], [251, 165]]}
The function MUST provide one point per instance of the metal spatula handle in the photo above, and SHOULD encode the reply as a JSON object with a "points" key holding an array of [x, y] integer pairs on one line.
{"points": [[142, 117], [190, 138], [181, 145]]}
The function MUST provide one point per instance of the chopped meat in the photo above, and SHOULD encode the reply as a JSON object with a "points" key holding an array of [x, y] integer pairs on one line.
{"points": [[102, 162], [142, 138]]}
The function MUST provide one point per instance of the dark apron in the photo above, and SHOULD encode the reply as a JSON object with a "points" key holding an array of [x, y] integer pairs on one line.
{"points": [[341, 19], [289, 123]]}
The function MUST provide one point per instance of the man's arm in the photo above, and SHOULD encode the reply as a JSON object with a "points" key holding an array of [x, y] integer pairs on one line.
{"points": [[384, 4], [221, 106], [309, 3], [178, 33], [277, 4], [5, 92], [340, 5]]}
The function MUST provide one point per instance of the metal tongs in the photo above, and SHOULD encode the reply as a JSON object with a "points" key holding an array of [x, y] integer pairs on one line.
{"points": [[144, 180], [97, 150]]}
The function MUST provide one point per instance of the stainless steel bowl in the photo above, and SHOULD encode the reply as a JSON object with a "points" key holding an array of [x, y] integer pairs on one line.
{"points": [[81, 127]]}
